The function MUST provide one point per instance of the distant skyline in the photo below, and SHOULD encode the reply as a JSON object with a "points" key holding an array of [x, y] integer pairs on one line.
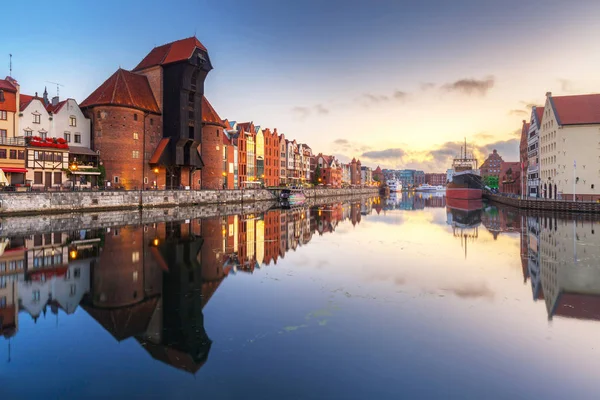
{"points": [[398, 84]]}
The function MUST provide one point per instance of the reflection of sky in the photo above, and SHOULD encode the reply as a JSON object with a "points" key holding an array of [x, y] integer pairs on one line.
{"points": [[381, 311]]}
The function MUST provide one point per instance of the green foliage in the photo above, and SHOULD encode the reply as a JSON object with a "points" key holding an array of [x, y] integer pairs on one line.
{"points": [[316, 176], [491, 181]]}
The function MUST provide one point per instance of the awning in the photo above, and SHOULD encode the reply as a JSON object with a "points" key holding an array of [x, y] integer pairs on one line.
{"points": [[17, 170], [82, 151], [3, 180], [84, 172], [162, 145]]}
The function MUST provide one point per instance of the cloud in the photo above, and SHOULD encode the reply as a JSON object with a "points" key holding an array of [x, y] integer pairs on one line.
{"points": [[472, 291], [387, 154], [341, 141], [518, 112], [370, 99], [471, 86], [427, 86], [320, 109], [302, 112], [400, 95], [529, 105]]}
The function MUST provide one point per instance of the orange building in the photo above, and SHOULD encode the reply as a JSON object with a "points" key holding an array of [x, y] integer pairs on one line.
{"points": [[272, 157]]}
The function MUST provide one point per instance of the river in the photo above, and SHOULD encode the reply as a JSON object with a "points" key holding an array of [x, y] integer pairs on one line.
{"points": [[368, 299]]}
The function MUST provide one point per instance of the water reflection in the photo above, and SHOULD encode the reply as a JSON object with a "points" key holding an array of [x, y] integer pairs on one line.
{"points": [[414, 200], [152, 282]]}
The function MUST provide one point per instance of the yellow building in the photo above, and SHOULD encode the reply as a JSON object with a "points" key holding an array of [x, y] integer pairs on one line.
{"points": [[12, 147], [569, 146]]}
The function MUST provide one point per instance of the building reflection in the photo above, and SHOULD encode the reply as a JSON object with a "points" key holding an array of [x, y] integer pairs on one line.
{"points": [[150, 283], [414, 200]]}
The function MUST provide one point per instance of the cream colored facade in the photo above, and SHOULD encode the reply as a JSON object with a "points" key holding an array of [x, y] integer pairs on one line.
{"points": [[569, 158]]}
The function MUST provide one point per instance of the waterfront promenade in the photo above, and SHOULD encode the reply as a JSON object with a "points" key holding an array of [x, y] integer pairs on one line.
{"points": [[32, 203], [530, 203]]}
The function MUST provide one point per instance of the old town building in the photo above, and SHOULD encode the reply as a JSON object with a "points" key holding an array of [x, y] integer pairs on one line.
{"points": [[331, 173], [435, 179], [150, 119], [523, 154], [533, 159], [346, 174], [366, 175], [491, 165], [212, 148], [355, 172], [271, 157], [510, 178], [12, 147], [377, 174], [568, 147]]}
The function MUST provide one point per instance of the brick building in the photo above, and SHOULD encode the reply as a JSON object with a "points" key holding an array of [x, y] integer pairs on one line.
{"points": [[491, 165], [378, 174], [271, 157], [435, 179], [150, 119], [355, 172], [331, 173], [212, 148], [510, 178]]}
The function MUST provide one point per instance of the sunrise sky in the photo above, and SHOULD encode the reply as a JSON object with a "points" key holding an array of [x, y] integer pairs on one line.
{"points": [[395, 83]]}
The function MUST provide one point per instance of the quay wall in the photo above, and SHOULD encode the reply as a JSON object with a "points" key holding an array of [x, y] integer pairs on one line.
{"points": [[12, 203], [546, 204], [22, 225]]}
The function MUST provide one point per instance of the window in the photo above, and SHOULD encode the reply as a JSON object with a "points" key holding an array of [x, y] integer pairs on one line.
{"points": [[135, 117], [3, 302], [3, 115], [3, 133], [98, 134], [68, 137], [43, 134], [36, 295], [28, 133], [58, 178], [77, 273], [151, 121], [36, 118], [77, 138], [135, 154], [37, 178], [98, 115], [135, 256], [13, 154], [135, 136], [2, 153], [145, 179], [116, 179]]}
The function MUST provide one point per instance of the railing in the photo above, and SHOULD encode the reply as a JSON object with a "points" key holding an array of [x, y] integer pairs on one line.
{"points": [[12, 141]]}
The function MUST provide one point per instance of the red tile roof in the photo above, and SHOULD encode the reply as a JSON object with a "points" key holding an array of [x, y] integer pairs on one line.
{"points": [[539, 113], [160, 149], [124, 89], [574, 110], [54, 109], [6, 85], [209, 115], [179, 50], [248, 127], [24, 100]]}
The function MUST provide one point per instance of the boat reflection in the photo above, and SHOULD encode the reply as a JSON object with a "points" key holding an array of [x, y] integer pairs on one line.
{"points": [[151, 282], [414, 200], [464, 216]]}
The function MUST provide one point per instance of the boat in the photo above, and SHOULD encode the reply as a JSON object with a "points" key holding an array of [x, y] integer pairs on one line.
{"points": [[466, 182], [292, 195], [394, 185], [430, 188]]}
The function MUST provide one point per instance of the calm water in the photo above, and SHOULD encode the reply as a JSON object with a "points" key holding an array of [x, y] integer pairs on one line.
{"points": [[396, 298]]}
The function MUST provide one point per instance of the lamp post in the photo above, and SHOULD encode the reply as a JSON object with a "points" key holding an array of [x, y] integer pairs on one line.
{"points": [[156, 178], [73, 168]]}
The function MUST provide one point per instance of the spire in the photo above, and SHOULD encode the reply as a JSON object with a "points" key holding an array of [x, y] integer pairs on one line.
{"points": [[46, 102]]}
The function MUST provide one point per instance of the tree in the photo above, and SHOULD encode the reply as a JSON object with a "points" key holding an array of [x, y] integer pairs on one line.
{"points": [[317, 175], [491, 181]]}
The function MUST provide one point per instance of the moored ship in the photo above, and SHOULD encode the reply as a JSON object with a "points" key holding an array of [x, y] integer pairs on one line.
{"points": [[466, 182], [394, 185]]}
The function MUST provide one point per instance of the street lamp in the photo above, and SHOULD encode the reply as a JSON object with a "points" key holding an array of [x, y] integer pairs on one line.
{"points": [[73, 168], [263, 179], [224, 179], [156, 178]]}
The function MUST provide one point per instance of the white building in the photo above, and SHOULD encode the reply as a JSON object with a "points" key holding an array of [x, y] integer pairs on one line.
{"points": [[568, 147], [533, 168], [34, 119]]}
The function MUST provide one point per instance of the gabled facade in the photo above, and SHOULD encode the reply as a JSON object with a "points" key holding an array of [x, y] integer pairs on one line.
{"points": [[491, 165], [282, 160], [271, 157], [12, 145], [533, 159], [568, 147], [331, 171]]}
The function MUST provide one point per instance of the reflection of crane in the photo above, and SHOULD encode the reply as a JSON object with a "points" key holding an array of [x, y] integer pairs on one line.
{"points": [[57, 86]]}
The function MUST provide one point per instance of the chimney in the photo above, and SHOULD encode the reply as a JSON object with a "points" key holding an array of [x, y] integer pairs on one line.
{"points": [[548, 94], [55, 100]]}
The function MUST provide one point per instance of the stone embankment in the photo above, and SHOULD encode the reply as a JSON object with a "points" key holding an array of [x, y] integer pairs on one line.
{"points": [[25, 203], [546, 204], [53, 222]]}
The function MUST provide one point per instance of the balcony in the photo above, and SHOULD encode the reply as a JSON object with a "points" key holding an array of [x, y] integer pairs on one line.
{"points": [[12, 141]]}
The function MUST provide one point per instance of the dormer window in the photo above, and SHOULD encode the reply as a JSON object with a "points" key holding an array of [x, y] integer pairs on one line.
{"points": [[72, 121], [36, 118]]}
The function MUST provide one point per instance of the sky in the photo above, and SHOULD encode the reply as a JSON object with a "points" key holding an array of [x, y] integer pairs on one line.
{"points": [[400, 84]]}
